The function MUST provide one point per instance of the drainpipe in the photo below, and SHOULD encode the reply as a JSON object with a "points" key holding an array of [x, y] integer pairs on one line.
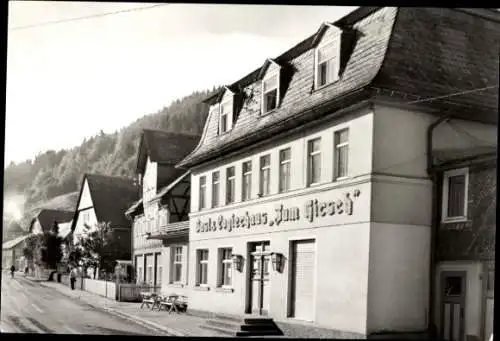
{"points": [[434, 223]]}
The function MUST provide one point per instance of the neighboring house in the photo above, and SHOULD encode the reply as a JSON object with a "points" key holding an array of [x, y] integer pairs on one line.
{"points": [[104, 199], [311, 187], [12, 253], [164, 200], [43, 220], [465, 241]]}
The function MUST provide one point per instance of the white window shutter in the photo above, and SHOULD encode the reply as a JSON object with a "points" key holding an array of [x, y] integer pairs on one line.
{"points": [[185, 262]]}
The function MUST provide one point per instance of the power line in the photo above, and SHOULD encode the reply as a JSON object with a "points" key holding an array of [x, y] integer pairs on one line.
{"points": [[452, 94], [99, 15]]}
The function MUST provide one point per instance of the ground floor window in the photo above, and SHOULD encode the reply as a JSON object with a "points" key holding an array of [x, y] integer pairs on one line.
{"points": [[202, 267], [176, 264], [225, 266]]}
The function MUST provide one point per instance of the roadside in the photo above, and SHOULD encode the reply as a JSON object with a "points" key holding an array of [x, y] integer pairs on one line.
{"points": [[173, 324]]}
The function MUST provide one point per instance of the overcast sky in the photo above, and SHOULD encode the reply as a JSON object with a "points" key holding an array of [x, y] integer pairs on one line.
{"points": [[69, 80]]}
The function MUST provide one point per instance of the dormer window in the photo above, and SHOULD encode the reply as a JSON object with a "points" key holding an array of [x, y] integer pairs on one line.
{"points": [[225, 116], [327, 62], [270, 93]]}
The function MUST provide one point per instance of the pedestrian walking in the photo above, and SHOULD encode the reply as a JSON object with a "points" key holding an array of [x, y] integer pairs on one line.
{"points": [[12, 269], [72, 278]]}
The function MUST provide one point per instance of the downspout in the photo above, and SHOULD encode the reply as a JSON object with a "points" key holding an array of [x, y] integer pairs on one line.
{"points": [[432, 328]]}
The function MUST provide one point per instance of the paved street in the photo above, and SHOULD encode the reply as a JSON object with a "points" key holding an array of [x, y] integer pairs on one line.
{"points": [[28, 307]]}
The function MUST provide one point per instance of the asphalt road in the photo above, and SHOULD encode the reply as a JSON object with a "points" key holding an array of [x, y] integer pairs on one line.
{"points": [[28, 307]]}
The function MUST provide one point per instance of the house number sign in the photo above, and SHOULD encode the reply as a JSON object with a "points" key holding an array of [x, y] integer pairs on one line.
{"points": [[312, 210]]}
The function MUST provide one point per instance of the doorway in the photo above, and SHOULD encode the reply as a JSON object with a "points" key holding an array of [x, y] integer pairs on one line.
{"points": [[260, 256], [453, 291]]}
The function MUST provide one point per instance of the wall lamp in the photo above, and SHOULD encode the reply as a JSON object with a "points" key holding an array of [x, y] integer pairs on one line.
{"points": [[277, 260], [237, 262]]}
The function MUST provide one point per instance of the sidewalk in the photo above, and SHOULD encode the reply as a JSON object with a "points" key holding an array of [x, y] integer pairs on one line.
{"points": [[172, 324]]}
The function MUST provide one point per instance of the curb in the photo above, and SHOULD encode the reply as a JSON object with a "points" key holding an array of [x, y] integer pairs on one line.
{"points": [[133, 318]]}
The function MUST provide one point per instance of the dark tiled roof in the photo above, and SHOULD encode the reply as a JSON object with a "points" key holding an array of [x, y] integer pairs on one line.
{"points": [[164, 147], [402, 53], [111, 196], [46, 217]]}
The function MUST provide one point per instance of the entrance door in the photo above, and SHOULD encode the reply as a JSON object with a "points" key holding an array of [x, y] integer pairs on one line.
{"points": [[453, 290], [303, 264], [259, 277]]}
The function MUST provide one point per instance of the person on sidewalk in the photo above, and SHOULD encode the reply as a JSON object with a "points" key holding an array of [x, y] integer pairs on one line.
{"points": [[12, 269], [72, 277]]}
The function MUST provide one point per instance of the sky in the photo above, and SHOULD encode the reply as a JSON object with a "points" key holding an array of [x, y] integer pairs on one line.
{"points": [[67, 81]]}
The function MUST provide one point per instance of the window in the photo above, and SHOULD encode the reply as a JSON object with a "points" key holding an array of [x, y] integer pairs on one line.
{"points": [[215, 189], [327, 63], [455, 192], [341, 153], [265, 174], [203, 192], [225, 113], [246, 190], [226, 262], [284, 176], [202, 277], [177, 264], [314, 161], [230, 185], [270, 93]]}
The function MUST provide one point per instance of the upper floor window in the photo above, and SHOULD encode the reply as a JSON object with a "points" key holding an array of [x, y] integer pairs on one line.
{"points": [[270, 93], [215, 188], [265, 175], [327, 62], [314, 161], [225, 116], [230, 185], [284, 174], [246, 190], [203, 192], [455, 194], [341, 153]]}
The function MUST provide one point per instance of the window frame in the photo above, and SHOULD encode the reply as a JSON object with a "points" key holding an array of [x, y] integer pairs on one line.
{"points": [[263, 169], [229, 115], [281, 163], [199, 263], [222, 262], [277, 88], [310, 155], [446, 177], [335, 41], [336, 147], [228, 178], [202, 199], [176, 262], [215, 203], [246, 196]]}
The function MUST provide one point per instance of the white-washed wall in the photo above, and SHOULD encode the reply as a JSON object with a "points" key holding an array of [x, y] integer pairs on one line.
{"points": [[102, 288]]}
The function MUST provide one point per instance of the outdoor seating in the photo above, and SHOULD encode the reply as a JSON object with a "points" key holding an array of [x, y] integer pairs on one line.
{"points": [[149, 298], [172, 302]]}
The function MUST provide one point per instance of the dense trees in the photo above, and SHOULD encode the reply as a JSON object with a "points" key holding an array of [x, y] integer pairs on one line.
{"points": [[54, 173]]}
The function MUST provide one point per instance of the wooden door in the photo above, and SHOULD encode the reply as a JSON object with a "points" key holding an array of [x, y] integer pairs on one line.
{"points": [[453, 292], [259, 277]]}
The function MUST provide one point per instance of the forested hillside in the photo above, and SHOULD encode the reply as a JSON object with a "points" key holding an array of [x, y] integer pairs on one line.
{"points": [[59, 172]]}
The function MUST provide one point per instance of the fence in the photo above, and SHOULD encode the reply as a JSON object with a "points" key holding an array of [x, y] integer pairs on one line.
{"points": [[131, 292], [102, 288]]}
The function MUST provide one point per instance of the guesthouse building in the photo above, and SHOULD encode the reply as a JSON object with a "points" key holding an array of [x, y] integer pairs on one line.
{"points": [[313, 195]]}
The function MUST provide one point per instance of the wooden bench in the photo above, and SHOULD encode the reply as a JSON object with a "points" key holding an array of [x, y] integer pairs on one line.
{"points": [[173, 302], [149, 298]]}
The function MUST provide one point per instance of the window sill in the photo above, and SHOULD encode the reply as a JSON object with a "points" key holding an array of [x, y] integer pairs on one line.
{"points": [[226, 290], [340, 178], [454, 220], [262, 113], [324, 86], [176, 285], [202, 288]]}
